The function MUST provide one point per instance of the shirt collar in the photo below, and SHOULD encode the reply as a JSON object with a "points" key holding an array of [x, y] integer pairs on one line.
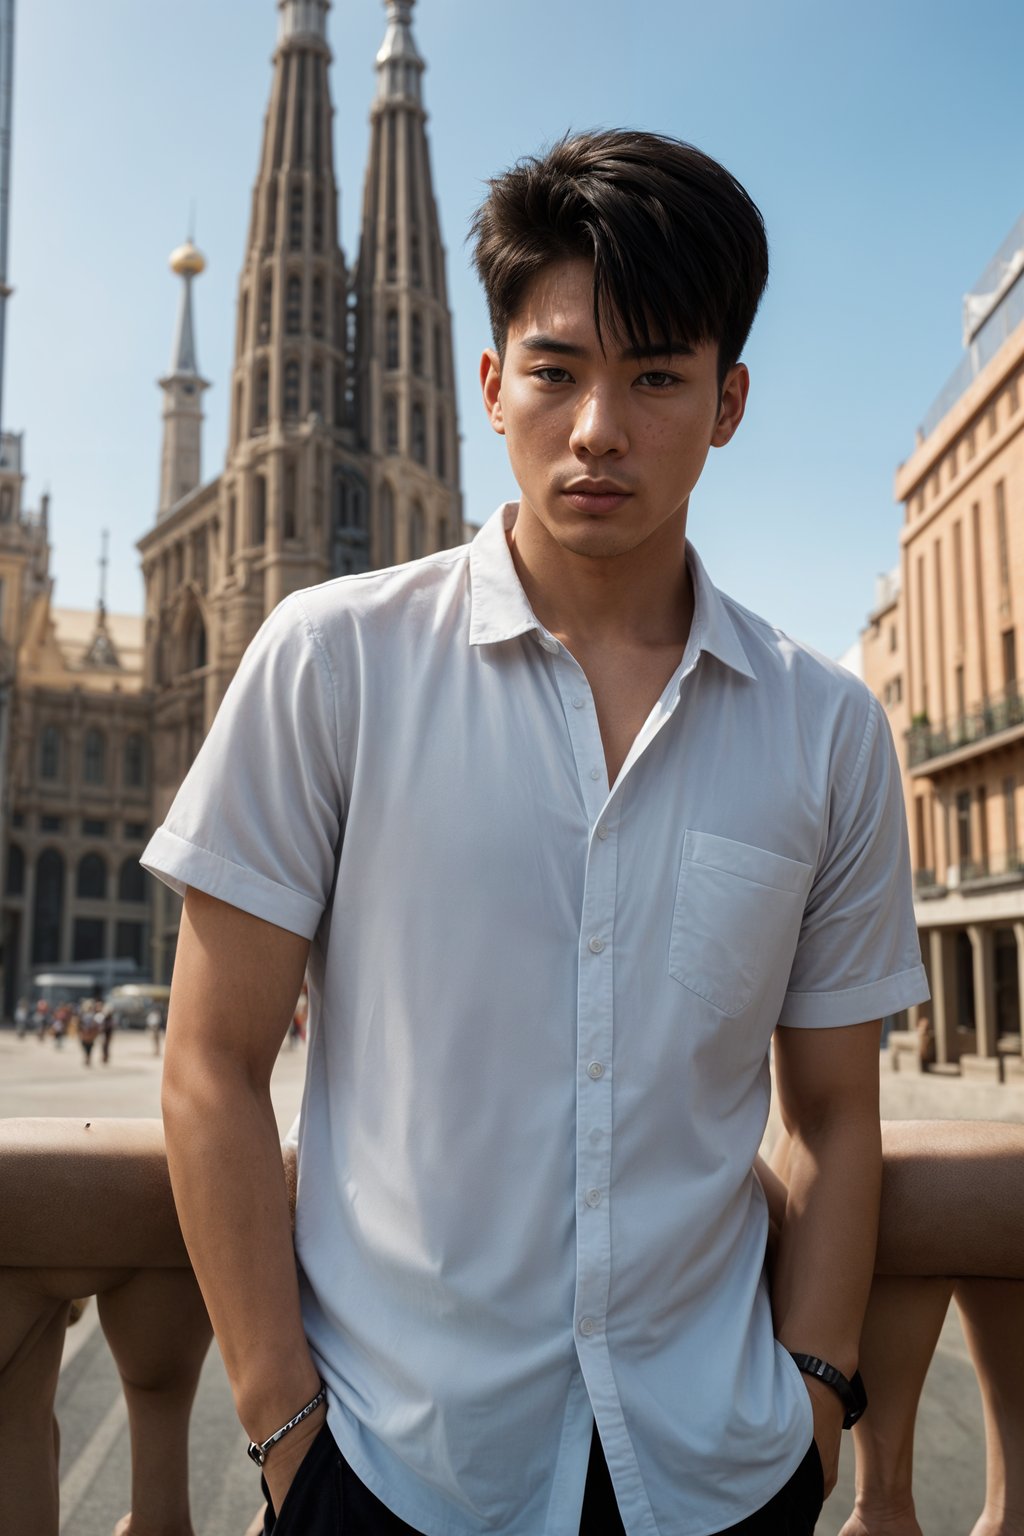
{"points": [[499, 609]]}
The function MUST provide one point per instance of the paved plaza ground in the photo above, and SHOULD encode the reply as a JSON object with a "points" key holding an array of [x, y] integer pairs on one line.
{"points": [[41, 1080]]}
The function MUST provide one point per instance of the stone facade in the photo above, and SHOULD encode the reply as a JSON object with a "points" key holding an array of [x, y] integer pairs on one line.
{"points": [[343, 455]]}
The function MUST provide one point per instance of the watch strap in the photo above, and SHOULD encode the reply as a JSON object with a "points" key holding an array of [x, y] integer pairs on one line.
{"points": [[850, 1391]]}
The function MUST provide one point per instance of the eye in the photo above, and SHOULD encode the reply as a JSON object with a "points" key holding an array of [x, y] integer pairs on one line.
{"points": [[656, 379], [553, 375]]}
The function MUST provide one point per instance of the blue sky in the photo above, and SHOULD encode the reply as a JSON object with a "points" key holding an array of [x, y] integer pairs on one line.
{"points": [[884, 143]]}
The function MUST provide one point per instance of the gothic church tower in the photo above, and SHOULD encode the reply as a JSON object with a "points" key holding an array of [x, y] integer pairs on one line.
{"points": [[406, 394]]}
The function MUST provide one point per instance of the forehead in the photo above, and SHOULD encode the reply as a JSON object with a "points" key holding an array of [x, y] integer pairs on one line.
{"points": [[560, 298]]}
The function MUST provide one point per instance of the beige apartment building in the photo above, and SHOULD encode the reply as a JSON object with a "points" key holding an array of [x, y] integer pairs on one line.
{"points": [[944, 651]]}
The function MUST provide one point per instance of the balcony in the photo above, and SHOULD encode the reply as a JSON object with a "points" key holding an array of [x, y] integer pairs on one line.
{"points": [[966, 736], [990, 873]]}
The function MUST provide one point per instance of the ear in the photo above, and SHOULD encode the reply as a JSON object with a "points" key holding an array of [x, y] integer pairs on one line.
{"points": [[490, 385], [734, 403]]}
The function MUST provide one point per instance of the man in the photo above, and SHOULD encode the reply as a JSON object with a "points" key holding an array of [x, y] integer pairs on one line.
{"points": [[563, 835]]}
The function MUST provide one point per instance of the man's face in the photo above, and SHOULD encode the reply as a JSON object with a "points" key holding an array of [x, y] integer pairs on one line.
{"points": [[605, 446]]}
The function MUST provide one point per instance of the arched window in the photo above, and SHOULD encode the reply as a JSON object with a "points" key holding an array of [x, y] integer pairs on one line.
{"points": [[317, 306], [94, 769], [295, 216], [415, 263], [15, 871], [417, 346], [259, 509], [418, 433], [293, 306], [50, 753], [390, 424], [262, 410], [386, 526], [131, 881], [292, 378], [392, 353], [318, 218], [417, 532], [266, 306], [440, 447], [91, 880], [49, 907], [291, 497], [392, 254], [134, 761], [316, 388], [195, 646]]}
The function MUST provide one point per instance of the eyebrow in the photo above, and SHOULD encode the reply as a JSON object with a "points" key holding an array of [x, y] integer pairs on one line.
{"points": [[657, 349]]}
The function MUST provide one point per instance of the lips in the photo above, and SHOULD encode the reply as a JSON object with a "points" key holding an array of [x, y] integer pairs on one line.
{"points": [[595, 495]]}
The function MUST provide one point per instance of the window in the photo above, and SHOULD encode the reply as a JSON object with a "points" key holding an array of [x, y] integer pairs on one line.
{"points": [[893, 637], [982, 798], [259, 509], [94, 762], [290, 499], [1013, 394], [339, 317], [440, 440], [51, 823], [266, 306], [295, 216], [93, 828], [417, 346], [293, 306], [135, 831], [292, 378], [961, 705], [128, 944], [134, 761], [6, 504], [15, 871], [391, 344], [415, 262], [317, 316], [417, 533], [91, 880], [392, 254], [195, 657], [316, 389], [87, 938], [963, 826], [262, 410], [970, 444], [1009, 659], [438, 356], [992, 420], [1002, 537], [339, 398], [49, 907], [318, 218], [386, 527], [391, 424], [50, 753], [243, 322], [1010, 821], [239, 409], [418, 433], [444, 537], [131, 881]]}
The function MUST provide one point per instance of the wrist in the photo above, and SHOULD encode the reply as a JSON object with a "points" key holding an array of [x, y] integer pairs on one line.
{"points": [[262, 1412]]}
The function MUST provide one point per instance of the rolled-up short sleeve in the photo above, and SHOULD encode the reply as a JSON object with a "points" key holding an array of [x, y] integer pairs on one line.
{"points": [[258, 819], [858, 956]]}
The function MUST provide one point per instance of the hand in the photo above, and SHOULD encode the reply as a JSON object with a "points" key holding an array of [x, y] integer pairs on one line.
{"points": [[285, 1458], [829, 1414]]}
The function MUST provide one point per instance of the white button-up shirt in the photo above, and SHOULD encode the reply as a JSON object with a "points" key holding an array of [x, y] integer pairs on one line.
{"points": [[540, 1015]]}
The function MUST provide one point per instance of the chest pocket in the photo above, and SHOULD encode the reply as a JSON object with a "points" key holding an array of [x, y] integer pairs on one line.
{"points": [[736, 920]]}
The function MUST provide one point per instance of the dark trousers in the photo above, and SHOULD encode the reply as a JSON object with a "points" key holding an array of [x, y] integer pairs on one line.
{"points": [[328, 1499]]}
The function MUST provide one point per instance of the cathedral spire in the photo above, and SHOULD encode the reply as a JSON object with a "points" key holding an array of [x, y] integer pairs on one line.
{"points": [[181, 460], [399, 65]]}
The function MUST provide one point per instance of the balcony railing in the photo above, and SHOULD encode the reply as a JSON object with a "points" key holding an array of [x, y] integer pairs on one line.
{"points": [[998, 713], [970, 873]]}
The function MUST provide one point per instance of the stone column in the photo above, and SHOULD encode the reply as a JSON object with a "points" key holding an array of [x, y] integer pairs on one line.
{"points": [[981, 937], [943, 998], [1018, 933]]}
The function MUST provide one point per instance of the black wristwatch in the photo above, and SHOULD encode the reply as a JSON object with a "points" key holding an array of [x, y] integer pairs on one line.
{"points": [[850, 1393]]}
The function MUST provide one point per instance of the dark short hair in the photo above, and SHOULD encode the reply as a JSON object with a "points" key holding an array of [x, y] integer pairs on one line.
{"points": [[678, 246]]}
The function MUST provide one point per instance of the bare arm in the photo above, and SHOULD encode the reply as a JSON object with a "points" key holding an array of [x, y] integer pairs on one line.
{"points": [[235, 982], [828, 1093]]}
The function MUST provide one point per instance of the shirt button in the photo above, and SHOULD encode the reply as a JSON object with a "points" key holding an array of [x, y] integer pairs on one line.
{"points": [[587, 1326], [595, 773], [593, 1197], [602, 833], [577, 703], [595, 1070], [595, 945]]}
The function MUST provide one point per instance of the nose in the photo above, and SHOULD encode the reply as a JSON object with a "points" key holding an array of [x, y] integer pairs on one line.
{"points": [[599, 427]]}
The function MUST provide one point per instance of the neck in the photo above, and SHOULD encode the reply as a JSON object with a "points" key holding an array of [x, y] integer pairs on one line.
{"points": [[641, 598]]}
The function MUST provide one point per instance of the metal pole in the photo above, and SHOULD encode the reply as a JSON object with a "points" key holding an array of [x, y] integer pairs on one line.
{"points": [[6, 110]]}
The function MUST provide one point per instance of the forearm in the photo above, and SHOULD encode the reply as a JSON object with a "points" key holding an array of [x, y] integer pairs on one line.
{"points": [[224, 1156], [826, 1250]]}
